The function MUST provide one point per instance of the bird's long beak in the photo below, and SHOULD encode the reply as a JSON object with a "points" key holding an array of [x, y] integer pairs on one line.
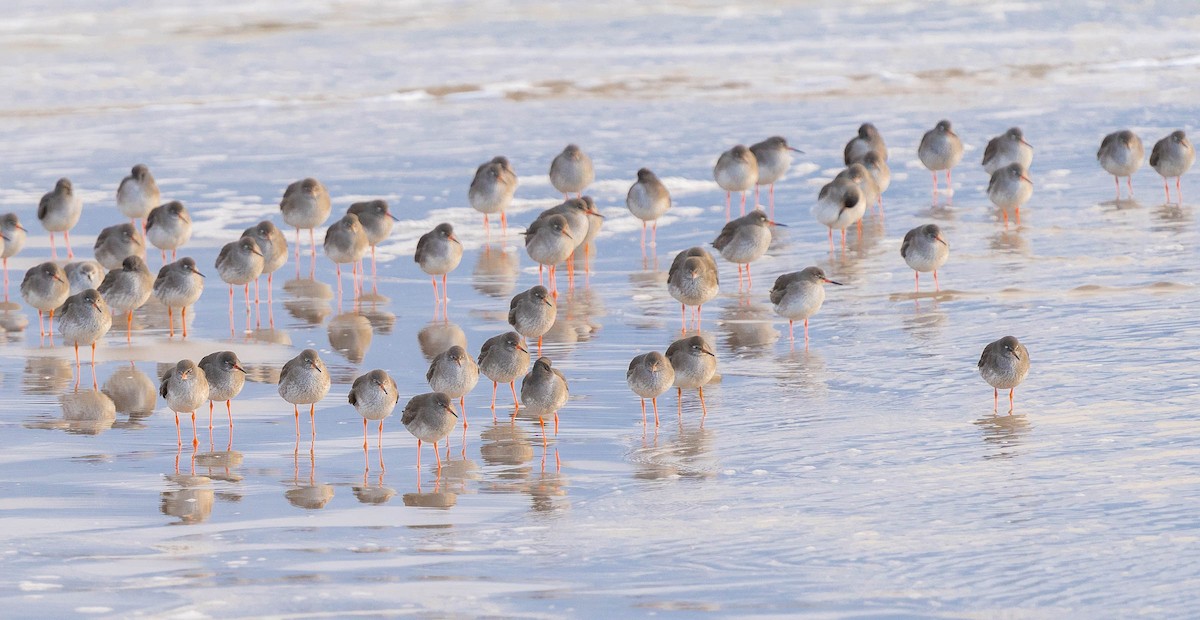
{"points": [[707, 352], [568, 235], [198, 273], [546, 300], [20, 227], [382, 386], [451, 410], [394, 218], [828, 281], [96, 305], [58, 278], [795, 150], [239, 367], [1026, 143], [255, 251], [455, 239], [1016, 355], [137, 240], [184, 374], [951, 132], [522, 349], [776, 224], [943, 241], [3, 237], [1026, 179], [459, 362]]}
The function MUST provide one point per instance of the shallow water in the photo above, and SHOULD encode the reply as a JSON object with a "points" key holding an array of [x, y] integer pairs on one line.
{"points": [[866, 475]]}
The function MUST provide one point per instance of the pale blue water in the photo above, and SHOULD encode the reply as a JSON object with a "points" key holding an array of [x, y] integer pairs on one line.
{"points": [[866, 476]]}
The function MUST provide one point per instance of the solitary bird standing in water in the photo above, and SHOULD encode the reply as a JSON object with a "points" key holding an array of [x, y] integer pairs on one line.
{"points": [[438, 253], [59, 211], [502, 359], [116, 243], [736, 171], [374, 396], [304, 381], [924, 249], [774, 157], [544, 390], [693, 280], [305, 204], [695, 364], [940, 149], [137, 195], [492, 190], [185, 388], [649, 375], [178, 285], [1121, 154], [169, 227], [571, 171], [455, 374], [1008, 189], [1003, 365], [377, 220], [745, 240], [648, 200], [429, 417], [45, 288], [226, 378], [127, 289], [84, 319], [531, 313], [798, 295], [1171, 157], [1007, 148]]}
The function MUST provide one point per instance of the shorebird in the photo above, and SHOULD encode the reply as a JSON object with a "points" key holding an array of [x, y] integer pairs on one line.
{"points": [[1008, 189], [693, 280], [374, 396], [226, 377], [492, 189], [502, 359], [576, 211], [45, 288], [127, 289], [571, 171], [1121, 155], [924, 249], [13, 234], [880, 172], [744, 240], [940, 149], [59, 211], [1003, 365], [185, 388], [455, 374], [736, 171], [305, 204], [438, 253], [774, 157], [82, 275], [1172, 157], [549, 241], [84, 319], [868, 140], [116, 243], [273, 245], [648, 200], [840, 204], [377, 220], [860, 176], [544, 390], [1007, 148], [169, 227], [429, 417], [239, 263], [137, 194], [531, 313], [304, 381], [178, 285], [695, 364], [649, 376], [346, 242], [799, 295]]}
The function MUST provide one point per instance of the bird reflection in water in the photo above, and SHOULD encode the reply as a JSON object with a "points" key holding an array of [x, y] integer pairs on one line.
{"points": [[88, 412], [496, 271], [510, 448], [46, 376], [373, 306], [191, 501], [576, 317], [309, 300], [133, 394], [1009, 242], [375, 494], [437, 336], [749, 328], [220, 463], [350, 335], [311, 495], [686, 455], [1003, 433]]}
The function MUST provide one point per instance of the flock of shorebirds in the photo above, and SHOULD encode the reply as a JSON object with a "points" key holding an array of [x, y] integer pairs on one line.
{"points": [[85, 297]]}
